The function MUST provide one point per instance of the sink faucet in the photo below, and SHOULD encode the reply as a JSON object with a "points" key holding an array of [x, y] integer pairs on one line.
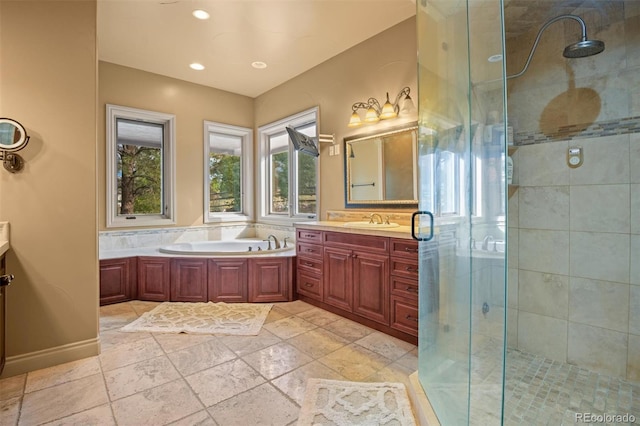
{"points": [[275, 241], [485, 242], [372, 216]]}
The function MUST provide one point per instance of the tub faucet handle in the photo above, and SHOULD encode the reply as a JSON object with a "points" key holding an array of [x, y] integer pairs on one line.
{"points": [[268, 243], [284, 242]]}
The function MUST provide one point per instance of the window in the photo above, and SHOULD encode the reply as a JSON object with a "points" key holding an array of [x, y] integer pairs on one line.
{"points": [[140, 164], [290, 178], [227, 172], [444, 168]]}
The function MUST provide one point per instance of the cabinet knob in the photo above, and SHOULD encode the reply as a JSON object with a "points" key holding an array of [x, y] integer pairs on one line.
{"points": [[410, 250], [308, 264], [409, 288], [308, 284], [410, 269]]}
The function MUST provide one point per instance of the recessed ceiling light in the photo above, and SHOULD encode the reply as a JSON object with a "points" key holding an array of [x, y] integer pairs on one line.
{"points": [[258, 65], [201, 14], [197, 66], [494, 58]]}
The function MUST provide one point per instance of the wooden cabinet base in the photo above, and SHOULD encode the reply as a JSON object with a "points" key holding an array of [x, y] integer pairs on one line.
{"points": [[364, 321]]}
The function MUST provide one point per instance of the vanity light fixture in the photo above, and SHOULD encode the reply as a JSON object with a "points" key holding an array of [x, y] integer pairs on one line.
{"points": [[375, 112]]}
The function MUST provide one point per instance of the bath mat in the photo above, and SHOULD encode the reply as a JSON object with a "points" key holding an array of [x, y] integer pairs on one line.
{"points": [[245, 319], [333, 402]]}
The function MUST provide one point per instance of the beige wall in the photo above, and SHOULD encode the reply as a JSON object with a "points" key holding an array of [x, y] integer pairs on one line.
{"points": [[384, 63], [192, 104], [48, 69]]}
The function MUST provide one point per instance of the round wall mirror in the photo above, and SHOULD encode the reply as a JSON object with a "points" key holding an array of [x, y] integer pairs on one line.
{"points": [[13, 135]]}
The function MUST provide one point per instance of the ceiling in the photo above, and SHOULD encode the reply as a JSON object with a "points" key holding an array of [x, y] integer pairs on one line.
{"points": [[290, 36]]}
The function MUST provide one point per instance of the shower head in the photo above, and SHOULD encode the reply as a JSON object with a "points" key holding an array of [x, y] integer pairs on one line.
{"points": [[583, 48]]}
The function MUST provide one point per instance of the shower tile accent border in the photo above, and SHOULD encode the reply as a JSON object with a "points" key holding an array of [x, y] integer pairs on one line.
{"points": [[621, 126]]}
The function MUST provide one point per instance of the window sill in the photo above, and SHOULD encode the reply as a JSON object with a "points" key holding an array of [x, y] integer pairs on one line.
{"points": [[139, 221], [228, 218]]}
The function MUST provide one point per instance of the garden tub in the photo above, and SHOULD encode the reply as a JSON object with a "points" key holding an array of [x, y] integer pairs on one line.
{"points": [[239, 247]]}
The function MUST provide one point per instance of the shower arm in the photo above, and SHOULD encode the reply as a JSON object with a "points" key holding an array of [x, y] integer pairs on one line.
{"points": [[544, 27]]}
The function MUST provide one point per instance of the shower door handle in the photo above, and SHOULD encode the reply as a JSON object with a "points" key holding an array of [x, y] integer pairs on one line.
{"points": [[413, 225]]}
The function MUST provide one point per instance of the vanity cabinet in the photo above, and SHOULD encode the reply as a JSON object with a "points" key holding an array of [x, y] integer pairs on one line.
{"points": [[338, 282], [188, 281], [369, 279], [404, 285], [309, 264], [154, 279], [227, 280], [118, 280]]}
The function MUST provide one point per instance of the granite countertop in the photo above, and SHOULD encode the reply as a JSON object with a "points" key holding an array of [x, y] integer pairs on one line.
{"points": [[4, 237], [402, 231]]}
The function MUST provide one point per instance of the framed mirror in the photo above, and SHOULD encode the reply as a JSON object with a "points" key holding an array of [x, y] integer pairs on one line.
{"points": [[380, 168], [13, 135]]}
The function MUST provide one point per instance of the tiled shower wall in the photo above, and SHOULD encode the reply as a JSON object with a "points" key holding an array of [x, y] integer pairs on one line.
{"points": [[574, 234]]}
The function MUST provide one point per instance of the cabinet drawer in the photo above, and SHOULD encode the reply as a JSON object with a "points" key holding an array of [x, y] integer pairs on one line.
{"points": [[404, 248], [404, 315], [309, 285], [404, 287], [371, 243], [309, 265], [406, 268], [309, 250], [309, 236]]}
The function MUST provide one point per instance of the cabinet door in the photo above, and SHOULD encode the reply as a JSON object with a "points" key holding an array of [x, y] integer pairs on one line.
{"points": [[338, 285], [371, 286], [117, 280], [227, 280], [153, 278], [188, 280], [270, 280]]}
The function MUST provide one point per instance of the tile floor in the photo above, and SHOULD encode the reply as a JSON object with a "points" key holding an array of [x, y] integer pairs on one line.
{"points": [[179, 379]]}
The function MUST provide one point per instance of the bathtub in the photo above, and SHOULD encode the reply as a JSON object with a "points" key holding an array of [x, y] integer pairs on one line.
{"points": [[239, 247]]}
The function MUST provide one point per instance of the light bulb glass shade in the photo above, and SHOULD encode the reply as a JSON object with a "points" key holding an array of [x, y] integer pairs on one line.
{"points": [[407, 106], [355, 120], [371, 116], [388, 110]]}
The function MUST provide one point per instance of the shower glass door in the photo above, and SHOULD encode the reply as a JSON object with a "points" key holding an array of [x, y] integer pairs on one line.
{"points": [[462, 159]]}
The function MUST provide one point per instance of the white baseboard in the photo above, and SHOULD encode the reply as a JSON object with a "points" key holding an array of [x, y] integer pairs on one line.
{"points": [[31, 361]]}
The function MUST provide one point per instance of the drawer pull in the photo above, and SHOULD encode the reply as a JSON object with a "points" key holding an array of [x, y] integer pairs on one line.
{"points": [[309, 250], [308, 284], [410, 269], [410, 250], [410, 318], [409, 288], [308, 264], [309, 235]]}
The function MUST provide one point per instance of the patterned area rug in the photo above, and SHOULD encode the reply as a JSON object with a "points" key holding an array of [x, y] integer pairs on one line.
{"points": [[332, 402], [245, 319]]}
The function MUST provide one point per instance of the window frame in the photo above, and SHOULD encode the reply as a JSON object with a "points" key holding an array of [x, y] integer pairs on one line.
{"points": [[264, 133], [168, 121], [246, 173]]}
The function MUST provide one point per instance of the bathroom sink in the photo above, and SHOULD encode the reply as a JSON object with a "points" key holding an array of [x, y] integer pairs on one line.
{"points": [[367, 225]]}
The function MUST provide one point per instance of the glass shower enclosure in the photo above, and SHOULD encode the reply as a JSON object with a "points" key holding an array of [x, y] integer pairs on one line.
{"points": [[462, 162]]}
